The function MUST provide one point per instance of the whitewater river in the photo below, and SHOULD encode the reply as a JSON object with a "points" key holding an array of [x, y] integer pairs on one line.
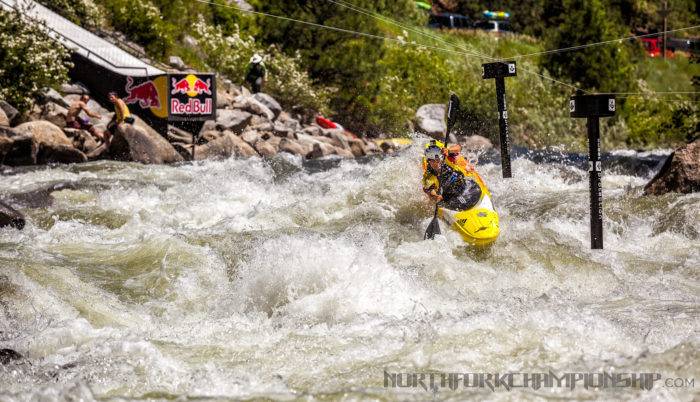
{"points": [[251, 279]]}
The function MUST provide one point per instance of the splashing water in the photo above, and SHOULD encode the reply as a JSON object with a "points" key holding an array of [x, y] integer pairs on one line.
{"points": [[253, 279]]}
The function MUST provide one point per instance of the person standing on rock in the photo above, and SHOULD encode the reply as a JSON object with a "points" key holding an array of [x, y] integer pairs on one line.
{"points": [[121, 114], [255, 77], [74, 120]]}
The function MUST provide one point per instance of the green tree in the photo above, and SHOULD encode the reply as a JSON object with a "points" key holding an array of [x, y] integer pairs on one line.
{"points": [[29, 59], [337, 59], [605, 68]]}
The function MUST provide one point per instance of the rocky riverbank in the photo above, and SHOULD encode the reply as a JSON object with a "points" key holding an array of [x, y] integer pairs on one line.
{"points": [[246, 126]]}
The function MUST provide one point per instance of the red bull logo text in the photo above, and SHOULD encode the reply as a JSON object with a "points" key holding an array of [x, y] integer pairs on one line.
{"points": [[191, 86], [145, 94], [193, 106]]}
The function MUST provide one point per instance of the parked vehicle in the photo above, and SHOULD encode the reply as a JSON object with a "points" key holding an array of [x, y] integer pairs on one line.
{"points": [[449, 21], [493, 26]]}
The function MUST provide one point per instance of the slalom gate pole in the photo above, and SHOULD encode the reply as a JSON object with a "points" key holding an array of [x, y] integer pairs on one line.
{"points": [[499, 71], [593, 107]]}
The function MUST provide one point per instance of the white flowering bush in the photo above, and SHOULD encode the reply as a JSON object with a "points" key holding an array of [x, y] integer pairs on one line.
{"points": [[29, 59], [286, 80], [81, 12]]}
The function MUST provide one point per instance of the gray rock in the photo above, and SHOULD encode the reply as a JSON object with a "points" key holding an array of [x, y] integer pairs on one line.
{"points": [[430, 120], [51, 95], [250, 136], [291, 147], [82, 140], [476, 143], [265, 149], [13, 218], [185, 150], [234, 120], [18, 150], [251, 105], [74, 89], [243, 5], [358, 147], [680, 173], [286, 120], [270, 102], [10, 111], [313, 130], [226, 146], [344, 153], [224, 99], [57, 153], [140, 143], [177, 62], [55, 114], [44, 132], [321, 149]]}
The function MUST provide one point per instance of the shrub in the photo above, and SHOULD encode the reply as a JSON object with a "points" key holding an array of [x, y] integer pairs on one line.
{"points": [[81, 12], [142, 22], [29, 59], [286, 80]]}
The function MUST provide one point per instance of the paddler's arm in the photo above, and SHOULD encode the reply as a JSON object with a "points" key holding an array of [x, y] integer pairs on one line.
{"points": [[431, 184]]}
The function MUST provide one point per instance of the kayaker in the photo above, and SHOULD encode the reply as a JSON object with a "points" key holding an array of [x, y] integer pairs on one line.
{"points": [[445, 178]]}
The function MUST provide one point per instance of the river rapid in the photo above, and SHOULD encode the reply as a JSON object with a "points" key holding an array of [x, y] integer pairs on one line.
{"points": [[249, 279]]}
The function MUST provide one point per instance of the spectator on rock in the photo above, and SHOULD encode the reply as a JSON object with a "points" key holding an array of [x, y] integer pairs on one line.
{"points": [[121, 114], [74, 120], [255, 77]]}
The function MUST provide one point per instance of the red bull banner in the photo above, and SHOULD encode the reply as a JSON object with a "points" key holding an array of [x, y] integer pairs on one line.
{"points": [[191, 97]]}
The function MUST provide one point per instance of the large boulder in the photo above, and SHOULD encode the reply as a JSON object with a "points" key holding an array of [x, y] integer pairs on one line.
{"points": [[44, 132], [430, 120], [51, 95], [476, 143], [55, 114], [265, 149], [10, 217], [226, 146], [55, 153], [680, 173], [270, 102], [15, 149], [292, 147], [234, 120], [138, 144], [10, 111], [321, 149], [252, 105]]}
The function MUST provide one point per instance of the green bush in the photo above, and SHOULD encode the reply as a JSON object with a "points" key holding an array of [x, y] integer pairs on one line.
{"points": [[81, 12], [142, 22], [287, 81], [29, 60]]}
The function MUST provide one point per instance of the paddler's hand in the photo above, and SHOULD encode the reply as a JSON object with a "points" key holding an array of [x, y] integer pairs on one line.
{"points": [[435, 196]]}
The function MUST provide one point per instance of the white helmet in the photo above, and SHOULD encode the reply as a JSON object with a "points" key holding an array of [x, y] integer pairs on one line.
{"points": [[433, 152], [256, 59]]}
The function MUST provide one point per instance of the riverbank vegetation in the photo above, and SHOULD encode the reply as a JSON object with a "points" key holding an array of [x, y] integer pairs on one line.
{"points": [[374, 86]]}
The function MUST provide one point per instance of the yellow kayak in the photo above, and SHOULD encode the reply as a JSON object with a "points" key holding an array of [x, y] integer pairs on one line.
{"points": [[478, 225]]}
